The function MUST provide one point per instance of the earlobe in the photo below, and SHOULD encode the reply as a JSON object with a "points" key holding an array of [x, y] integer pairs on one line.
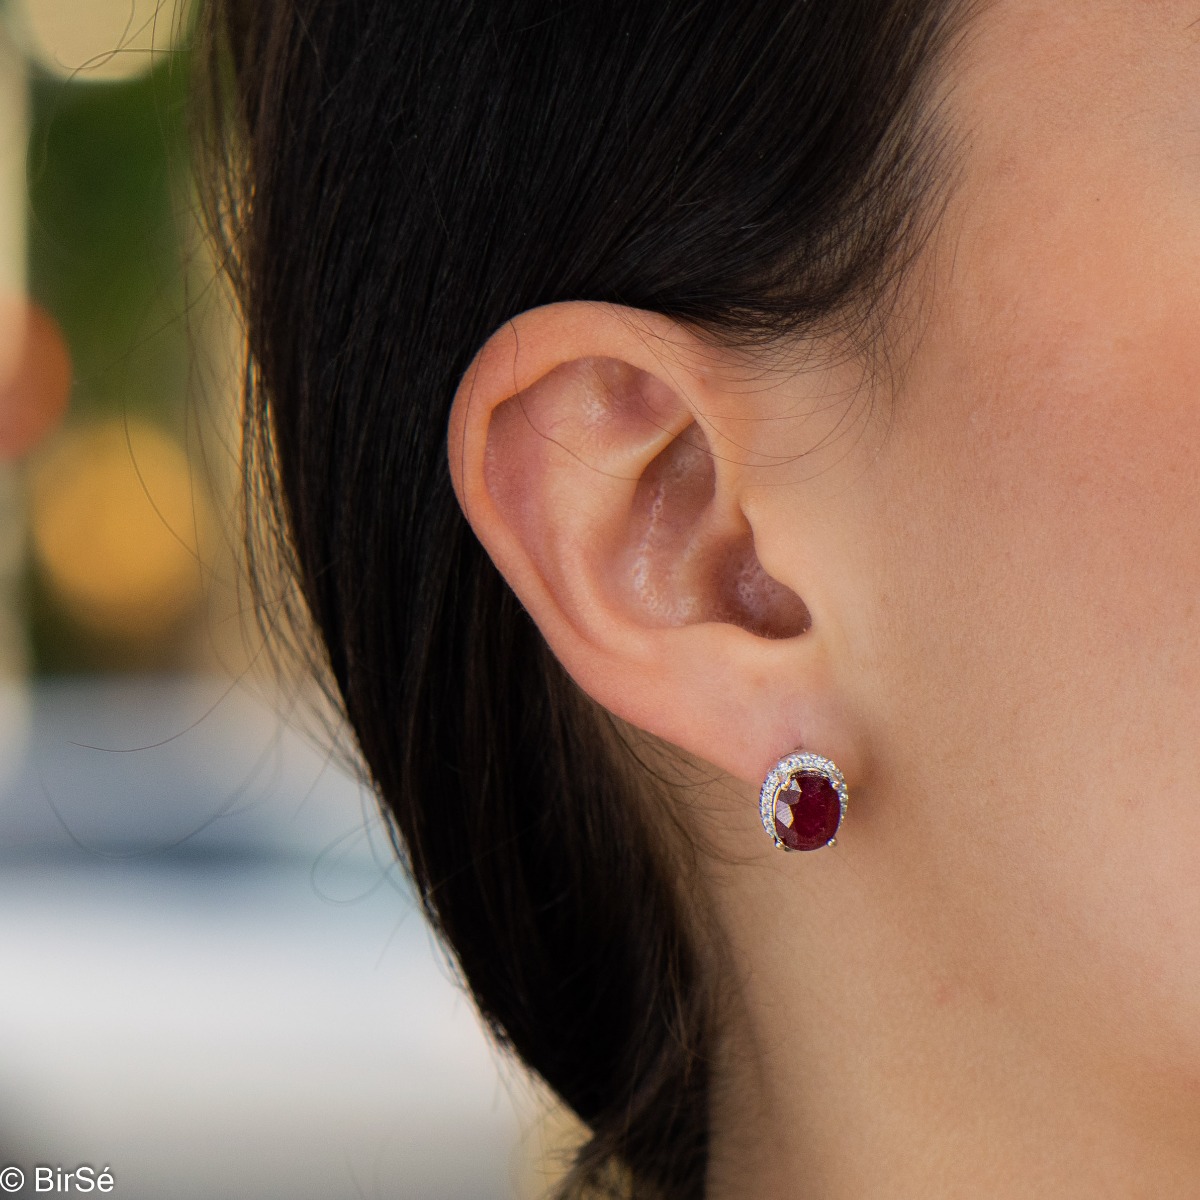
{"points": [[580, 455]]}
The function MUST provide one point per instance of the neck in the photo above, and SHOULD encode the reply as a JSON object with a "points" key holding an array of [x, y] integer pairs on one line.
{"points": [[863, 1055]]}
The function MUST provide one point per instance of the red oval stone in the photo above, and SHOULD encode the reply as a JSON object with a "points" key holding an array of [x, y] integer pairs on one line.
{"points": [[807, 813]]}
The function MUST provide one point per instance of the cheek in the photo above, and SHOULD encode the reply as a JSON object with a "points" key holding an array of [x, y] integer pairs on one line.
{"points": [[1078, 463], [1070, 454], [1056, 412], [1037, 684]]}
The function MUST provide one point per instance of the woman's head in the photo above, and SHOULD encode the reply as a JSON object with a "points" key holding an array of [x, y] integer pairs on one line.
{"points": [[808, 375]]}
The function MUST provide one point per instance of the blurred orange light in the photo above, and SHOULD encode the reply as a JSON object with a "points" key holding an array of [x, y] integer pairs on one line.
{"points": [[35, 375], [118, 526]]}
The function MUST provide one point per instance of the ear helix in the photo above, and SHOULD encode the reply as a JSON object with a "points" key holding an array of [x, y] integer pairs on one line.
{"points": [[803, 802]]}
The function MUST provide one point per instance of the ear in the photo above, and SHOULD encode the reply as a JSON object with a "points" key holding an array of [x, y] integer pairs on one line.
{"points": [[585, 457]]}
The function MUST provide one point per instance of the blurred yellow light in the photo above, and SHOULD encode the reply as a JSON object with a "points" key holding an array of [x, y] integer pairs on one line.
{"points": [[118, 525], [97, 39]]}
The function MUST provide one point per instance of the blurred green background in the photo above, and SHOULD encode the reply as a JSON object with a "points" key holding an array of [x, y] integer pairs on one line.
{"points": [[117, 559], [260, 984]]}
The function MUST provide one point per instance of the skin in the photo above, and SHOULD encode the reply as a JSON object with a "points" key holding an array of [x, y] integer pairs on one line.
{"points": [[991, 985]]}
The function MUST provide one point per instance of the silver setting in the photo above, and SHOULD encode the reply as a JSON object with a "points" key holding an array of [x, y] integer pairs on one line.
{"points": [[783, 773]]}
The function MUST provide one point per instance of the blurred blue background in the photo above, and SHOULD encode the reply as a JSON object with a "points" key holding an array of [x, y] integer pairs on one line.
{"points": [[213, 980]]}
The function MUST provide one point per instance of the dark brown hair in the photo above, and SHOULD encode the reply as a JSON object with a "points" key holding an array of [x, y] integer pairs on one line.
{"points": [[395, 179]]}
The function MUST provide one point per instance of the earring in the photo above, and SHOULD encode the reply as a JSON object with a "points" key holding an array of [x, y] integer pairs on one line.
{"points": [[803, 802]]}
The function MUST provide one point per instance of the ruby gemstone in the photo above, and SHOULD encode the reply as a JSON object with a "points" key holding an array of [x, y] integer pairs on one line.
{"points": [[807, 813]]}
